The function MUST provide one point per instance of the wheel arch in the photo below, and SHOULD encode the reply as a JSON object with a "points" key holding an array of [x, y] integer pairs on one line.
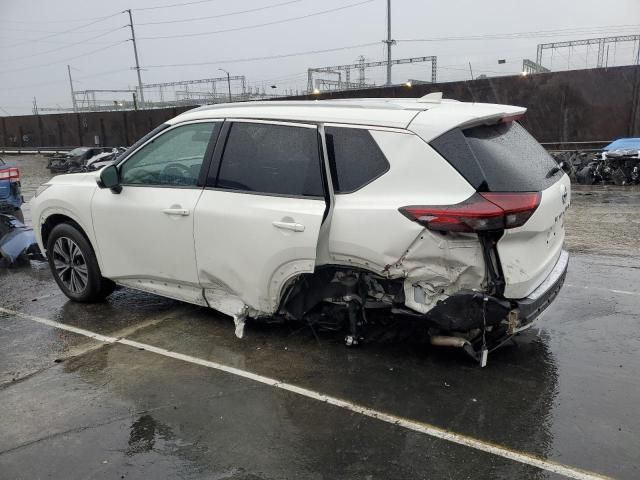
{"points": [[57, 218]]}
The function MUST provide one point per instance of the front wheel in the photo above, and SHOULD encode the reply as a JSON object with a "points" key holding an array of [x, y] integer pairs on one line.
{"points": [[74, 265]]}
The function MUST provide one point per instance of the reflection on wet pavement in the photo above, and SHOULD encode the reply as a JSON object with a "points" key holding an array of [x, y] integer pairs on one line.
{"points": [[567, 390]]}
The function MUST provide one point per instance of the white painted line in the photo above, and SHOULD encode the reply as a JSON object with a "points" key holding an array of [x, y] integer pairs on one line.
{"points": [[62, 326], [416, 426], [623, 292]]}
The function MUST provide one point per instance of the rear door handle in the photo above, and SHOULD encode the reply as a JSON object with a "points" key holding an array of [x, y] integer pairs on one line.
{"points": [[176, 211], [294, 227]]}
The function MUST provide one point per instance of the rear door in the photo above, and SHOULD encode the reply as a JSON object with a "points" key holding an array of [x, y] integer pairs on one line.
{"points": [[258, 219], [505, 158]]}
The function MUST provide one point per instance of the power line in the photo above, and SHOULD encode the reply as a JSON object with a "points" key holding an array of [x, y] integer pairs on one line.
{"points": [[69, 20], [82, 42], [534, 34], [3, 72], [62, 32], [276, 22], [266, 7], [56, 82], [174, 5], [54, 42], [270, 57], [99, 74]]}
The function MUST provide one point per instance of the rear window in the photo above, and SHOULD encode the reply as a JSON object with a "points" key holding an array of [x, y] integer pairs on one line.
{"points": [[354, 157], [498, 158]]}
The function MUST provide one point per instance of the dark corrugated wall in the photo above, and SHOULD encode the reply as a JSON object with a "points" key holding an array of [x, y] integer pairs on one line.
{"points": [[574, 106]]}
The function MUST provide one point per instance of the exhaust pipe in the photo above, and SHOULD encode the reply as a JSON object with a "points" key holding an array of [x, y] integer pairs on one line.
{"points": [[446, 341]]}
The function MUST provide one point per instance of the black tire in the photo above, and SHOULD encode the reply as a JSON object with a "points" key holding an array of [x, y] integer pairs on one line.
{"points": [[74, 265]]}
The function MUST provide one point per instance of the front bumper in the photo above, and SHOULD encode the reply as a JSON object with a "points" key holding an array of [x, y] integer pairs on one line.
{"points": [[533, 305]]}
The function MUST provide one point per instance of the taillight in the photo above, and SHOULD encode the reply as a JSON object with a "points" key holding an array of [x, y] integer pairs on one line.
{"points": [[480, 212], [12, 174]]}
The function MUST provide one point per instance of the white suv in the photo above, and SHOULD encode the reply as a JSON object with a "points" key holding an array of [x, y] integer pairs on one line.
{"points": [[324, 212]]}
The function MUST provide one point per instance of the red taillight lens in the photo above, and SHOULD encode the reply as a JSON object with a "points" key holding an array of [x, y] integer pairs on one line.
{"points": [[480, 212], [11, 173], [517, 207]]}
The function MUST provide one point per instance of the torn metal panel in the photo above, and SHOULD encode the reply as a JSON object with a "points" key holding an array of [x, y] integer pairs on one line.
{"points": [[229, 304], [436, 266]]}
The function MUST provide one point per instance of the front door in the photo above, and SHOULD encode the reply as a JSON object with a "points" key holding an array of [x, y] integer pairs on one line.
{"points": [[257, 222], [145, 232]]}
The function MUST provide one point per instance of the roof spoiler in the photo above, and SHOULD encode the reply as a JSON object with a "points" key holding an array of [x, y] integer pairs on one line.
{"points": [[433, 97]]}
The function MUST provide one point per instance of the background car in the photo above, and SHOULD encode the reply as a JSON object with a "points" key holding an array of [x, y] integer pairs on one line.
{"points": [[75, 160], [11, 198]]}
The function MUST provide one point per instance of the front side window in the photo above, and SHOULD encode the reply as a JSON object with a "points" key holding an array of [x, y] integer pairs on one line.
{"points": [[173, 158], [272, 159], [355, 158]]}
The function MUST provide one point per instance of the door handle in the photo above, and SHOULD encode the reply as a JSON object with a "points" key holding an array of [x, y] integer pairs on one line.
{"points": [[294, 227], [176, 211]]}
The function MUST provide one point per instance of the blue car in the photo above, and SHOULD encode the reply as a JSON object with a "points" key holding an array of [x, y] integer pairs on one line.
{"points": [[11, 198]]}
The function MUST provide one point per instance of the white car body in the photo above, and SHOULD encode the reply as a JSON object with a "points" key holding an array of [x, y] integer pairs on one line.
{"points": [[239, 252]]}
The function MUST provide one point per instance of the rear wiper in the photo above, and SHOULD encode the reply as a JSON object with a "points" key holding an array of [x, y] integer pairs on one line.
{"points": [[555, 169]]}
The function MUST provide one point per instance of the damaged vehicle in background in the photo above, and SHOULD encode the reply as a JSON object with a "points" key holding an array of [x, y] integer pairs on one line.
{"points": [[83, 159], [618, 163], [11, 198], [337, 214]]}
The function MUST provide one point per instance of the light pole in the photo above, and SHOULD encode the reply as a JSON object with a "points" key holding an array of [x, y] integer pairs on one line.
{"points": [[228, 83], [389, 41]]}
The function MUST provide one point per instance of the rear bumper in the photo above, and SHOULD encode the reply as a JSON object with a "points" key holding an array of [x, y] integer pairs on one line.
{"points": [[471, 309], [533, 305], [10, 204]]}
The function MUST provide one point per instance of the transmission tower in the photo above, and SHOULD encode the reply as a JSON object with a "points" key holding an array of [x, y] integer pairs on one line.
{"points": [[361, 67]]}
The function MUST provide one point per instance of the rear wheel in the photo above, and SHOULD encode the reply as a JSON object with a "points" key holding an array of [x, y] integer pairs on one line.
{"points": [[74, 265]]}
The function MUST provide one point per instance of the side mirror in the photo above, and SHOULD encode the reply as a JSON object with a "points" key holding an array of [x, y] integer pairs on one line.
{"points": [[110, 178]]}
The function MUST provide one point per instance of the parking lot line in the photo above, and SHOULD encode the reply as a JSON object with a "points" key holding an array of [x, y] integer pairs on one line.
{"points": [[413, 425], [612, 290]]}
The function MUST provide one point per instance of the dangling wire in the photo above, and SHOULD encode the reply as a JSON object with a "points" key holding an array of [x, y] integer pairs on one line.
{"points": [[485, 300]]}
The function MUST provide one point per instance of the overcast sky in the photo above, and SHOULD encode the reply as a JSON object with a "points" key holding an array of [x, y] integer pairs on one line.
{"points": [[38, 38]]}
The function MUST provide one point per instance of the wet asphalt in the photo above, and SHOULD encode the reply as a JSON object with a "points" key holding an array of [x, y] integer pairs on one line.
{"points": [[567, 390]]}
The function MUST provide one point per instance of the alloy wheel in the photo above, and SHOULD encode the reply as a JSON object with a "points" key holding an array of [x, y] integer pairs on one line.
{"points": [[70, 265]]}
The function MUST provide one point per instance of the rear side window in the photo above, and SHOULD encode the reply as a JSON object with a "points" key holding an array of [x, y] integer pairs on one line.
{"points": [[355, 158], [273, 159], [498, 158]]}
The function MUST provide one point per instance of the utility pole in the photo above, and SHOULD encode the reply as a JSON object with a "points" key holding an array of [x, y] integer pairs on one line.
{"points": [[135, 53], [228, 83], [35, 106], [73, 95], [389, 42]]}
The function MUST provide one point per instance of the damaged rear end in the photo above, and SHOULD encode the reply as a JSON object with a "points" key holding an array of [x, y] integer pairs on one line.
{"points": [[517, 216], [463, 233]]}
